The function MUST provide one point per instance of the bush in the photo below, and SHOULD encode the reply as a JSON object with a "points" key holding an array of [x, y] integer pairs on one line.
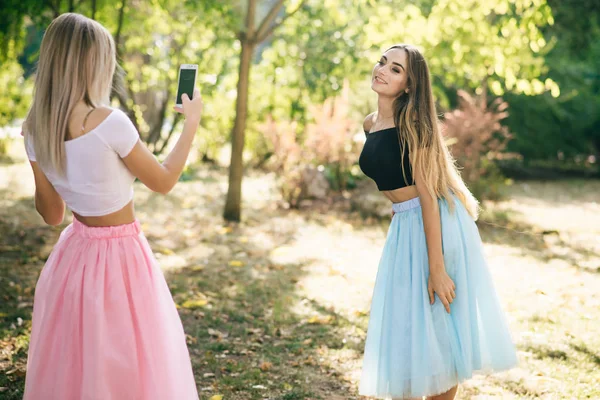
{"points": [[310, 162], [477, 139], [286, 158], [329, 139]]}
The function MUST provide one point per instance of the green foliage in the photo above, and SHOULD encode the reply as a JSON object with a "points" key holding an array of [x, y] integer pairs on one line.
{"points": [[515, 47], [157, 38], [16, 91], [566, 128]]}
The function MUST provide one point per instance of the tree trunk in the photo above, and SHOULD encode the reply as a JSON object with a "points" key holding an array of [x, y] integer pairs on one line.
{"points": [[236, 168], [93, 9], [249, 39], [121, 87]]}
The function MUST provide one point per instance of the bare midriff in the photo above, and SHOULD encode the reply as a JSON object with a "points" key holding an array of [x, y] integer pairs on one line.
{"points": [[402, 194], [125, 215]]}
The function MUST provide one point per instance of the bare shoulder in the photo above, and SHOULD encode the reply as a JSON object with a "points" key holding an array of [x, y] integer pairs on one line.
{"points": [[368, 122]]}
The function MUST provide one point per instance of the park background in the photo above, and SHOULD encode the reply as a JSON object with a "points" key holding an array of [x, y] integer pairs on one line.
{"points": [[270, 245]]}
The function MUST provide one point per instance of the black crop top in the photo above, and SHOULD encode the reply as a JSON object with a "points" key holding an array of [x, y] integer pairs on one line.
{"points": [[381, 160]]}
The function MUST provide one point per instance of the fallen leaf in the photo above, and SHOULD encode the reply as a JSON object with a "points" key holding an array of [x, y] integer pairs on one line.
{"points": [[360, 313], [216, 333], [310, 361], [236, 263], [209, 375], [319, 320], [226, 229], [217, 397], [287, 386], [194, 303], [259, 387], [265, 366]]}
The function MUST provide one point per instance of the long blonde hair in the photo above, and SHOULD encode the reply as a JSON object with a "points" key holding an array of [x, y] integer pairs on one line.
{"points": [[77, 62], [418, 129]]}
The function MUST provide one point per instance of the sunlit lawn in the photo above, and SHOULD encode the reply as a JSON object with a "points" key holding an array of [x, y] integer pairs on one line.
{"points": [[277, 307]]}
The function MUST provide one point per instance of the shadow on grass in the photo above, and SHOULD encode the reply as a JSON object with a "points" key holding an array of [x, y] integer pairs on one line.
{"points": [[504, 228], [590, 354], [250, 332]]}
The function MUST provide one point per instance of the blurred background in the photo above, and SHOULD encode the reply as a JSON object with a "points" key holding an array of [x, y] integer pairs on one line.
{"points": [[276, 306]]}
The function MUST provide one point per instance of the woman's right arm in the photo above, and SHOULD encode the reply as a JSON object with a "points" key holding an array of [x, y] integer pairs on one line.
{"points": [[163, 177]]}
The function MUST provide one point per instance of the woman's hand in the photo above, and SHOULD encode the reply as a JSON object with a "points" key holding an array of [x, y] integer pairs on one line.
{"points": [[441, 284], [192, 109]]}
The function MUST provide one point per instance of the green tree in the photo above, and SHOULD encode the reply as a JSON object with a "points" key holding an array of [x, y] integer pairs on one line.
{"points": [[250, 34], [566, 127]]}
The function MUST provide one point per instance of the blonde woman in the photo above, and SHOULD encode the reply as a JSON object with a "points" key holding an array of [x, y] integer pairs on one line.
{"points": [[435, 318], [104, 322]]}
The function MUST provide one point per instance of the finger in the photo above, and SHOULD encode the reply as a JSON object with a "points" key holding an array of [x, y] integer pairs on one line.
{"points": [[430, 290], [185, 97], [196, 93], [453, 294], [446, 305], [178, 109]]}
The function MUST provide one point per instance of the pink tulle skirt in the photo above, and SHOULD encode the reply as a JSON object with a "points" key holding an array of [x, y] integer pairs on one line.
{"points": [[105, 326]]}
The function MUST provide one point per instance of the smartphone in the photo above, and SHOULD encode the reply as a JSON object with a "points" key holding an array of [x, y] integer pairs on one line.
{"points": [[186, 82]]}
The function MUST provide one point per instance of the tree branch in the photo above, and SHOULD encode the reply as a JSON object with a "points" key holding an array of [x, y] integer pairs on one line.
{"points": [[250, 19], [120, 95], [267, 21], [264, 35], [120, 28], [155, 133], [176, 119]]}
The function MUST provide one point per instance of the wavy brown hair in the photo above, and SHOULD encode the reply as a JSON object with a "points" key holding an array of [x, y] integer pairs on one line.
{"points": [[77, 62], [419, 133]]}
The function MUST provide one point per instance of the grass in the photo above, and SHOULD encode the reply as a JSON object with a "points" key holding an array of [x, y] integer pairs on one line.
{"points": [[277, 307]]}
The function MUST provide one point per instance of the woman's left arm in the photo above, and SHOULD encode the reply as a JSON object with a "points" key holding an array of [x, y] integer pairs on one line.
{"points": [[48, 202], [439, 282]]}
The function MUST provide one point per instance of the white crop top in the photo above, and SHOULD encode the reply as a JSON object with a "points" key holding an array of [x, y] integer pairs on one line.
{"points": [[97, 181]]}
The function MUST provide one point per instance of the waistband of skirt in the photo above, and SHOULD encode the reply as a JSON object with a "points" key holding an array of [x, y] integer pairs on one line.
{"points": [[106, 232], [406, 205]]}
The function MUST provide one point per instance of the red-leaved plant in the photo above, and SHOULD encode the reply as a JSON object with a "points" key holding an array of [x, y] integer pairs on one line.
{"points": [[477, 139]]}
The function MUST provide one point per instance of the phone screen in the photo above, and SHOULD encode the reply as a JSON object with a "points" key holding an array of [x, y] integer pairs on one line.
{"points": [[186, 83]]}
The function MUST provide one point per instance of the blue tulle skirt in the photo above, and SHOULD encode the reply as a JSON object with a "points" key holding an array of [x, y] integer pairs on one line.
{"points": [[417, 349]]}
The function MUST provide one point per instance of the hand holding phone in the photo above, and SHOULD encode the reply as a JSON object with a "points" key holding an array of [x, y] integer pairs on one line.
{"points": [[188, 101]]}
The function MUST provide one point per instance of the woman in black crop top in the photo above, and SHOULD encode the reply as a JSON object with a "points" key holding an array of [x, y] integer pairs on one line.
{"points": [[435, 317]]}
